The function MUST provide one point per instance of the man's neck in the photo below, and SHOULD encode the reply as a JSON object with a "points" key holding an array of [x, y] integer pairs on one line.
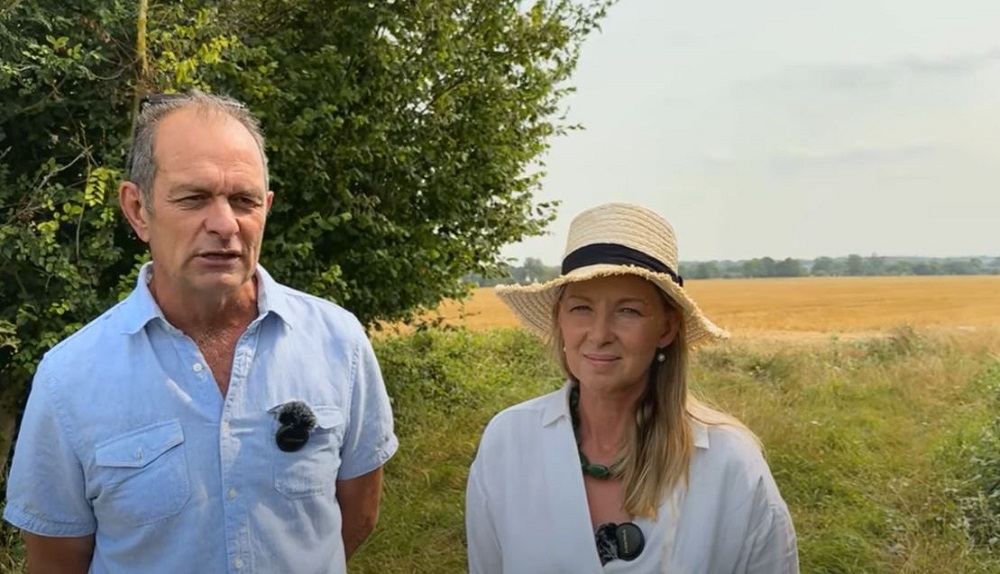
{"points": [[198, 316]]}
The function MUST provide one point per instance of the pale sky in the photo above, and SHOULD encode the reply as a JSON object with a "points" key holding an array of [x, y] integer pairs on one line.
{"points": [[789, 128]]}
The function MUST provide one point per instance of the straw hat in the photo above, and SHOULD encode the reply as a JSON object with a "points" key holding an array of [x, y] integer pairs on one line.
{"points": [[613, 239]]}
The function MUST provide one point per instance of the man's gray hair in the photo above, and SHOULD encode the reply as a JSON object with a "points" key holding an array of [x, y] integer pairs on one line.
{"points": [[141, 164]]}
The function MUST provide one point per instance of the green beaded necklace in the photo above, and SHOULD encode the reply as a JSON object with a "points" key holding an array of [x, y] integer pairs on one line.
{"points": [[598, 471]]}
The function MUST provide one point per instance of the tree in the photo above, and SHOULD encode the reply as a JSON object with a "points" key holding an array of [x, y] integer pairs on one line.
{"points": [[700, 270], [788, 267], [753, 268], [855, 265], [768, 267], [875, 265], [900, 268], [823, 267], [709, 270], [926, 268], [404, 140], [535, 271], [960, 267]]}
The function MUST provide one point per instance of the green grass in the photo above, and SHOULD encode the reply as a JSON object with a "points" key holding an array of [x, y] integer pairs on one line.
{"points": [[869, 442], [887, 452], [445, 386]]}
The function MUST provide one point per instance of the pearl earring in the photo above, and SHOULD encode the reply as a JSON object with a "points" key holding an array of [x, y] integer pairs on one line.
{"points": [[661, 357]]}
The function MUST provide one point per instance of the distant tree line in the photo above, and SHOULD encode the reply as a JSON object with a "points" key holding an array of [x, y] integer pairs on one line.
{"points": [[534, 270]]}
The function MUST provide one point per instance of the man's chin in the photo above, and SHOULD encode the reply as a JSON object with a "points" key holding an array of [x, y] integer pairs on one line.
{"points": [[223, 282]]}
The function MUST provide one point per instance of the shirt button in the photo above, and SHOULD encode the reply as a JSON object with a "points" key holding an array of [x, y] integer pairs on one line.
{"points": [[197, 367], [232, 493], [238, 563], [225, 427]]}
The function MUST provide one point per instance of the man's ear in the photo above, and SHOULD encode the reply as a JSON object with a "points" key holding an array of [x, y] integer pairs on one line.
{"points": [[671, 328], [130, 200]]}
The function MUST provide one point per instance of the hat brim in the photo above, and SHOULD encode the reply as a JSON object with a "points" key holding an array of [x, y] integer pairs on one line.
{"points": [[532, 304]]}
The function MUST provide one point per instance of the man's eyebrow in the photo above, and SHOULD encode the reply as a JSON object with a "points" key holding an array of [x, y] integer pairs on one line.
{"points": [[254, 191], [200, 189], [187, 188]]}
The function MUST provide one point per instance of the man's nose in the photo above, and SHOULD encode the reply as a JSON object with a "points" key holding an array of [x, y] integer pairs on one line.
{"points": [[221, 220]]}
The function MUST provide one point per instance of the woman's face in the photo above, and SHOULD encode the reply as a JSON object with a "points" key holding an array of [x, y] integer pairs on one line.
{"points": [[611, 327]]}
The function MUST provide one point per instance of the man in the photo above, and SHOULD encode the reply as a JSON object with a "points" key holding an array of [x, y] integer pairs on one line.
{"points": [[215, 420]]}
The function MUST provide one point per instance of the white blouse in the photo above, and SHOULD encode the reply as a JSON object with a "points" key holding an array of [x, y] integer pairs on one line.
{"points": [[526, 506]]}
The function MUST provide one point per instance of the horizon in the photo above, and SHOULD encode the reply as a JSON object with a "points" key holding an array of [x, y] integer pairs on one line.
{"points": [[984, 258]]}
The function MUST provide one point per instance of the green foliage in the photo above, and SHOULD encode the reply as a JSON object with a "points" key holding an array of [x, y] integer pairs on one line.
{"points": [[852, 431], [444, 386], [62, 100], [978, 488], [401, 149], [402, 135]]}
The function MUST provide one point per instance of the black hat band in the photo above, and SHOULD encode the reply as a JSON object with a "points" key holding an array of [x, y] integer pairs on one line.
{"points": [[616, 254]]}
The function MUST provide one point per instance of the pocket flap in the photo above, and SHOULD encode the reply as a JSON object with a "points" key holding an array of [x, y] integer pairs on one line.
{"points": [[327, 416], [141, 446]]}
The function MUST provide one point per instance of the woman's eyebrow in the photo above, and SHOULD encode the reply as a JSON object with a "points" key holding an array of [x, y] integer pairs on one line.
{"points": [[633, 300]]}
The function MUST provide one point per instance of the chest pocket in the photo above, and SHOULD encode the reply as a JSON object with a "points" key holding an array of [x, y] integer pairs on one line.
{"points": [[311, 470], [141, 477]]}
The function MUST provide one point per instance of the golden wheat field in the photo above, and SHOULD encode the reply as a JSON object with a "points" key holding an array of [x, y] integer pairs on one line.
{"points": [[809, 307]]}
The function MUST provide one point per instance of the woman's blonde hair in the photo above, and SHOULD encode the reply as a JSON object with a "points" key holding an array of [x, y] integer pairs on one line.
{"points": [[656, 455]]}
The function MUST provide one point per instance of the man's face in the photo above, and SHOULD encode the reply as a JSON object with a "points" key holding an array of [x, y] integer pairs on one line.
{"points": [[209, 204]]}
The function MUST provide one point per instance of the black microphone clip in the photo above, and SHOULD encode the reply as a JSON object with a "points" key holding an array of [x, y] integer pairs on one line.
{"points": [[297, 420]]}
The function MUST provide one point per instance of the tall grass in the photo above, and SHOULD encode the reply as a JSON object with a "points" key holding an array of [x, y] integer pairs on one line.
{"points": [[887, 451], [870, 442]]}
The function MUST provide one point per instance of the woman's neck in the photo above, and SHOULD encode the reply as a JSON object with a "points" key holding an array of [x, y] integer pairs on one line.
{"points": [[604, 417]]}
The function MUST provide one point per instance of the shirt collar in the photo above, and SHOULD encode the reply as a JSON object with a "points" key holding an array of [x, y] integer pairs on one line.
{"points": [[556, 406], [140, 307]]}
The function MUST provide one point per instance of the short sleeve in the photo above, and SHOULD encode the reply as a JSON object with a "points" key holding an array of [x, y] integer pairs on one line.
{"points": [[370, 439], [46, 488]]}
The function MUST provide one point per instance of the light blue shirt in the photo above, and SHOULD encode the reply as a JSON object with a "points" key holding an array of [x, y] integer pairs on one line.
{"points": [[126, 436]]}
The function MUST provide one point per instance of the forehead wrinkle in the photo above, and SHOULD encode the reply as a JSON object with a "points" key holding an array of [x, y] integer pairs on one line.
{"points": [[212, 178]]}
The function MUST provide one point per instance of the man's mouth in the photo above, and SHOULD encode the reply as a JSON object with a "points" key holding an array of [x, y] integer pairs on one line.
{"points": [[219, 255]]}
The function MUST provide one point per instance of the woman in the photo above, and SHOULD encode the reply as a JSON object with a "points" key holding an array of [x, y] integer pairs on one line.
{"points": [[621, 470]]}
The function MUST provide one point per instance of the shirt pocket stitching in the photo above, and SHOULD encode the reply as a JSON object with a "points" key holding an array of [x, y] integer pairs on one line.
{"points": [[303, 474], [126, 473], [131, 451]]}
